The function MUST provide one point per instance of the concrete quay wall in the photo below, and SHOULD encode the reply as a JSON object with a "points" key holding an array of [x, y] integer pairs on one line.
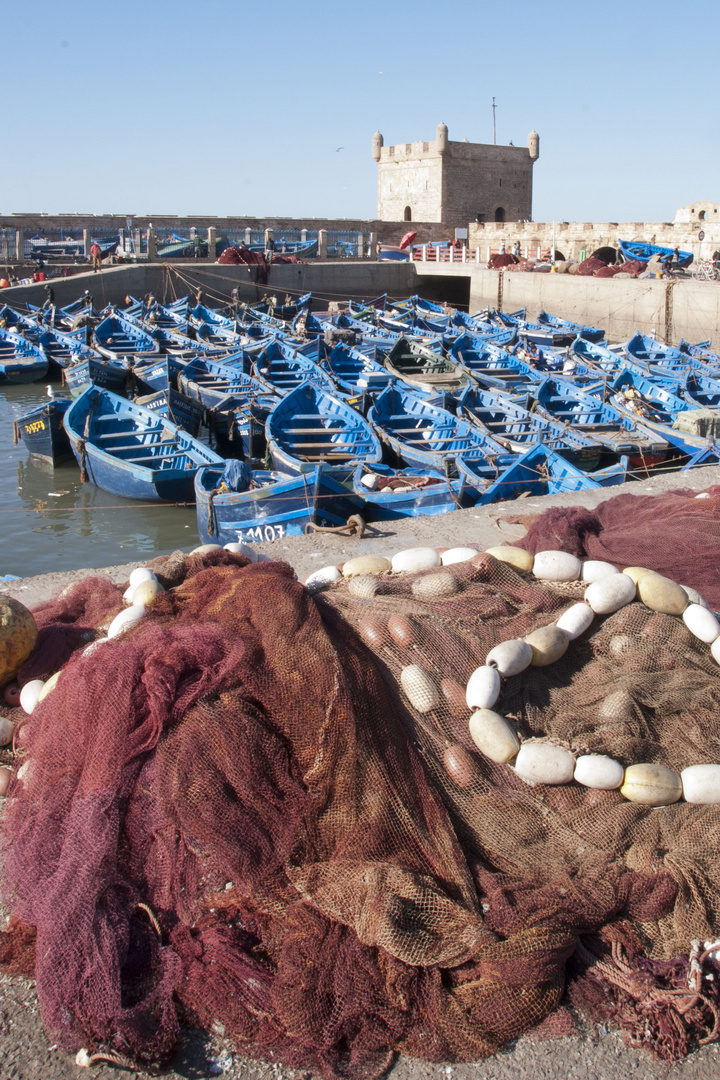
{"points": [[326, 280], [668, 309]]}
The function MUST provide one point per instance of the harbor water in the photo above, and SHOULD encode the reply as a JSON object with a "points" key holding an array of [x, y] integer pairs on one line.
{"points": [[51, 521]]}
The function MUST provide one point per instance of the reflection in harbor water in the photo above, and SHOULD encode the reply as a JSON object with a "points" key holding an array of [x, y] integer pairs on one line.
{"points": [[50, 521]]}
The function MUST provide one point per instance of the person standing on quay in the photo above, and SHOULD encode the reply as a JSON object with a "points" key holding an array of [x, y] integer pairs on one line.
{"points": [[96, 254]]}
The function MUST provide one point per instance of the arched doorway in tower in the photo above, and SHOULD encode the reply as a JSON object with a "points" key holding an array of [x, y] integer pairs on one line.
{"points": [[500, 213], [407, 215]]}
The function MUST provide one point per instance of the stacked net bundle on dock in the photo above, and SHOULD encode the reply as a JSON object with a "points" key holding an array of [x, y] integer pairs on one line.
{"points": [[677, 534], [233, 815]]}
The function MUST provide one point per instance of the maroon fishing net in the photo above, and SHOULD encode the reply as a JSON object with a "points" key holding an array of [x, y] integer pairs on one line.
{"points": [[589, 267], [677, 535], [502, 259], [233, 814]]}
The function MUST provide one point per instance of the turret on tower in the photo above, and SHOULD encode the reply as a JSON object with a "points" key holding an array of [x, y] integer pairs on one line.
{"points": [[534, 145], [441, 138], [377, 145]]}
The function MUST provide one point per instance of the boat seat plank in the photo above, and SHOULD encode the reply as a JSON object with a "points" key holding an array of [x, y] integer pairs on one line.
{"points": [[123, 434], [139, 446], [322, 446], [158, 458], [314, 430], [324, 457]]}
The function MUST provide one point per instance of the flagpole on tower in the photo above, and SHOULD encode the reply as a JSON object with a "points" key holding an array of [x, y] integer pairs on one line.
{"points": [[494, 138]]}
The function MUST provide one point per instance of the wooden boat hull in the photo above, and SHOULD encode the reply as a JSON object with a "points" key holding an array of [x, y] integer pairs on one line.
{"points": [[540, 471], [42, 431], [20, 361], [104, 373], [121, 448], [177, 407], [277, 506]]}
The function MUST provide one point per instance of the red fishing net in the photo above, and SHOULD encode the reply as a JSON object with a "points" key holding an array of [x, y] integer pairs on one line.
{"points": [[234, 813], [677, 535]]}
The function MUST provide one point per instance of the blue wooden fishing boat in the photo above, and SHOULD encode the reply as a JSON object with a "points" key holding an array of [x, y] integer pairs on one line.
{"points": [[657, 406], [481, 327], [42, 431], [310, 425], [586, 412], [540, 471], [542, 334], [181, 247], [163, 316], [598, 358], [516, 428], [20, 360], [130, 451], [236, 425], [201, 314], [282, 312], [641, 396], [391, 494], [587, 333], [634, 250], [393, 253], [493, 366], [113, 375], [420, 434], [118, 338], [62, 348], [700, 390], [285, 369], [10, 317], [236, 505], [648, 350], [354, 372], [178, 407], [157, 373], [211, 381]]}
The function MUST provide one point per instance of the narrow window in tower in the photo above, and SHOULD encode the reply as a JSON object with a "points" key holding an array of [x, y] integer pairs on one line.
{"points": [[407, 216]]}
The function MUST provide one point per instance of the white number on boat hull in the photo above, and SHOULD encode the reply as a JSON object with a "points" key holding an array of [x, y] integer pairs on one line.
{"points": [[260, 533]]}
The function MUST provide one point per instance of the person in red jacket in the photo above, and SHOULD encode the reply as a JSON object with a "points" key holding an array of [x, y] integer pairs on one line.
{"points": [[96, 255]]}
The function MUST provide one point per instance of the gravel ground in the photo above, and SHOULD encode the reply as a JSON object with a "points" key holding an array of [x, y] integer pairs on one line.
{"points": [[25, 1052]]}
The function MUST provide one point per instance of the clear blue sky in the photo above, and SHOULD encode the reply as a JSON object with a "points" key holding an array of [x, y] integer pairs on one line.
{"points": [[232, 107]]}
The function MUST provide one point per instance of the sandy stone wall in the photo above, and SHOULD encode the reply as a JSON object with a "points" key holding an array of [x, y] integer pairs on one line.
{"points": [[455, 185]]}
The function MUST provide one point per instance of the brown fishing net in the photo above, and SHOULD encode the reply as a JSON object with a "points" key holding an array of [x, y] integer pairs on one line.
{"points": [[232, 814]]}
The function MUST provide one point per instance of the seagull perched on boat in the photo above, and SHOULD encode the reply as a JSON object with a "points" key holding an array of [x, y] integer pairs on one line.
{"points": [[50, 392]]}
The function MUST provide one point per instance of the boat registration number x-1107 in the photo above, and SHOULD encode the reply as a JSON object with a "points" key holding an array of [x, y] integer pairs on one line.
{"points": [[261, 532]]}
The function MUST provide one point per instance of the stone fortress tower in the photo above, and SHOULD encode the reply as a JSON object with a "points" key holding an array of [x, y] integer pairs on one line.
{"points": [[454, 182]]}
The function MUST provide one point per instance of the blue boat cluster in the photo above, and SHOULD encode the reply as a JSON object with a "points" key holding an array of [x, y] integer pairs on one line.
{"points": [[272, 419]]}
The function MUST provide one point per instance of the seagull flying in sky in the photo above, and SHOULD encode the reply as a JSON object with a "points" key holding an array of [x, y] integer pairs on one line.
{"points": [[338, 149]]}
